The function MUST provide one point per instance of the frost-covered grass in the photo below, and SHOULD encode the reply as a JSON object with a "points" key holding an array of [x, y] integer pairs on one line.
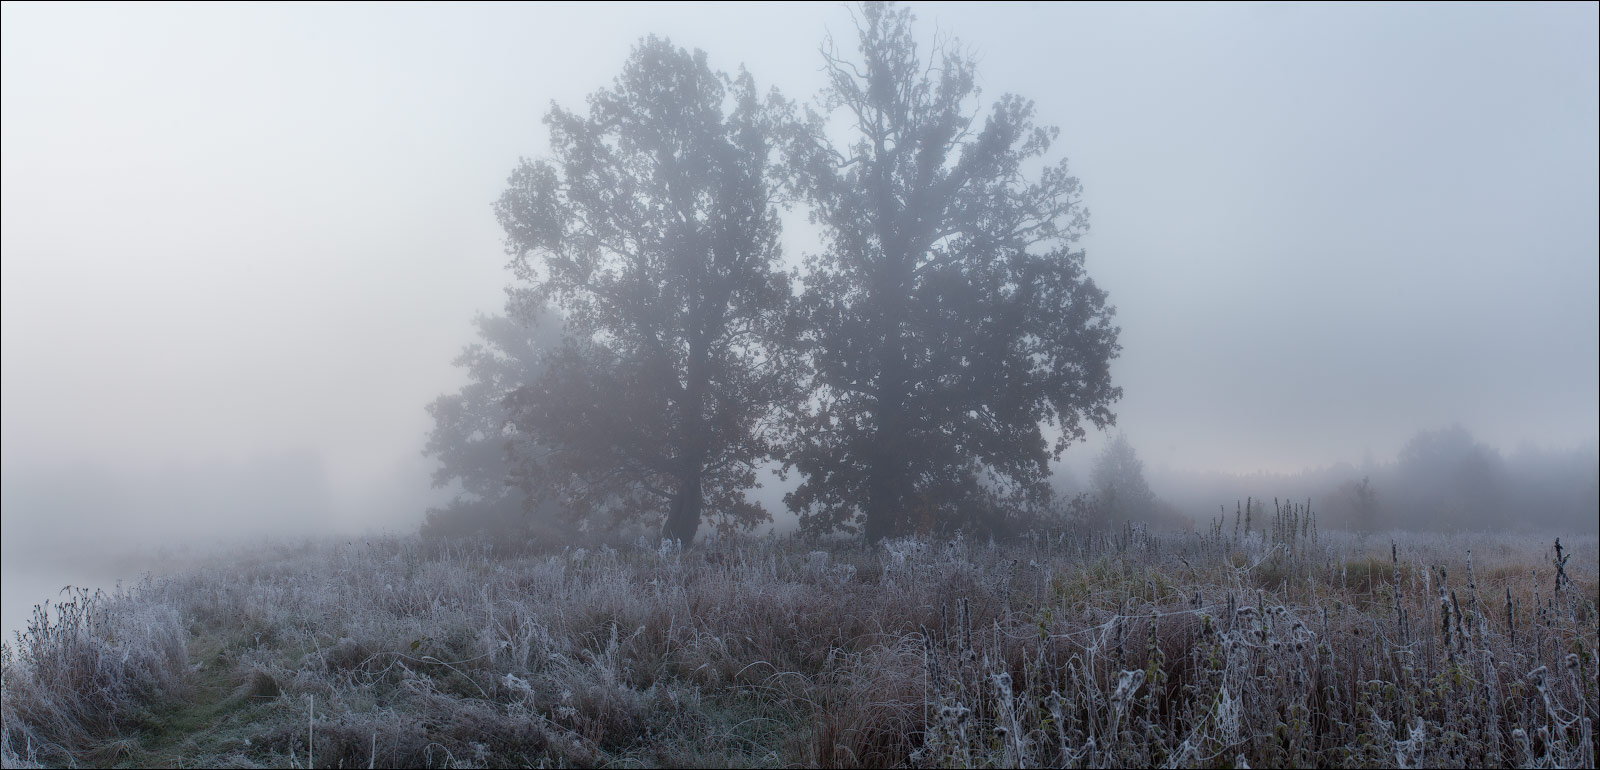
{"points": [[1281, 648]]}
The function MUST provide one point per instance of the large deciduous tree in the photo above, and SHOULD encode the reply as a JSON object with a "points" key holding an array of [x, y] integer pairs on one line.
{"points": [[949, 314], [654, 229]]}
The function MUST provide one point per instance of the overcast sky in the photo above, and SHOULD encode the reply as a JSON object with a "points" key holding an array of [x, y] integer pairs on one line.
{"points": [[234, 235]]}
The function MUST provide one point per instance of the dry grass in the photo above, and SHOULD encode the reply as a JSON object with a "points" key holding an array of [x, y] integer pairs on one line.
{"points": [[1276, 648]]}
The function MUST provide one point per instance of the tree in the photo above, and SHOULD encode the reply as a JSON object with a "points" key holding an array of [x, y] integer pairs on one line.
{"points": [[473, 439], [948, 315], [1361, 502], [1119, 483], [655, 230], [1445, 478]]}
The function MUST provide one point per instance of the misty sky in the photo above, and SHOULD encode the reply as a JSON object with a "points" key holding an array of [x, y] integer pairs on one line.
{"points": [[233, 235]]}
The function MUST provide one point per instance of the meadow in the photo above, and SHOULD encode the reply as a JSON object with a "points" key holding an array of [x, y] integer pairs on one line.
{"points": [[1269, 646]]}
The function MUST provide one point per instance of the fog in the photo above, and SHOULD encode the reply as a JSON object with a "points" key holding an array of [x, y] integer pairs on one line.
{"points": [[242, 244]]}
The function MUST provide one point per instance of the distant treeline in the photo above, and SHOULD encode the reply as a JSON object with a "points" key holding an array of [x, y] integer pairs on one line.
{"points": [[1443, 480]]}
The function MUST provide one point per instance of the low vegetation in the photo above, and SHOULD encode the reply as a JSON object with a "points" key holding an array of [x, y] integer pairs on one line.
{"points": [[1274, 647]]}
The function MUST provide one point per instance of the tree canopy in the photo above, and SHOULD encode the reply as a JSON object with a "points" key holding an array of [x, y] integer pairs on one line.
{"points": [[946, 346], [473, 439], [1120, 487], [948, 313], [654, 229]]}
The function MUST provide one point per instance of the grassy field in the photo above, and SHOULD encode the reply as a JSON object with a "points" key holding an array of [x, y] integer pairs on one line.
{"points": [[1280, 647]]}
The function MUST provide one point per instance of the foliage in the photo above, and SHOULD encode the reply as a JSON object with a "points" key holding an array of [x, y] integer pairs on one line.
{"points": [[1447, 474], [949, 315], [1119, 483], [654, 229], [1362, 501], [473, 439]]}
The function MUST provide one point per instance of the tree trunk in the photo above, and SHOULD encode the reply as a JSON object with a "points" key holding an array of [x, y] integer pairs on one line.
{"points": [[683, 520], [881, 503], [884, 480]]}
